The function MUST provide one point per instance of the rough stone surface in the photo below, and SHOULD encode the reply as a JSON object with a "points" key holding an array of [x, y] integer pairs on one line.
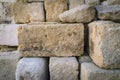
{"points": [[83, 13], [54, 8], [75, 3], [89, 71], [92, 2], [105, 43], [83, 59], [8, 63], [32, 69], [6, 12], [109, 12], [51, 40], [64, 68], [28, 12], [113, 2], [8, 34]]}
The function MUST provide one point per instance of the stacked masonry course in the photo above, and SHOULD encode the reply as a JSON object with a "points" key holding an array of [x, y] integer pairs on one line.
{"points": [[59, 39]]}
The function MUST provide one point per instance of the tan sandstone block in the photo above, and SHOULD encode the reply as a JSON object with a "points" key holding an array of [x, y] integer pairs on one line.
{"points": [[28, 12], [105, 43], [54, 8], [89, 71], [51, 40]]}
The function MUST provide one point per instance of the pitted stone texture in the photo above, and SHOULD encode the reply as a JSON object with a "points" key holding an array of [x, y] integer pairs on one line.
{"points": [[75, 3], [92, 2], [111, 12], [8, 63], [89, 71], [105, 43], [54, 8], [113, 2], [8, 34], [6, 12], [32, 69], [63, 68], [83, 13], [28, 12], [51, 40]]}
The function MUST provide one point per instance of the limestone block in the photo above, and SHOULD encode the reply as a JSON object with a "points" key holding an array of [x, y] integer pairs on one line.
{"points": [[6, 12], [105, 43], [90, 71], [109, 12], [8, 34], [28, 12], [83, 13], [51, 39], [92, 2], [63, 68], [113, 2], [75, 3], [53, 8], [32, 69], [8, 63]]}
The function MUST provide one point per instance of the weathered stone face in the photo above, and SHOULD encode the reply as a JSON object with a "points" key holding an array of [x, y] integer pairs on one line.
{"points": [[111, 12], [92, 2], [105, 43], [8, 63], [89, 71], [64, 68], [28, 12], [54, 8], [113, 2], [51, 40], [75, 3], [83, 13]]}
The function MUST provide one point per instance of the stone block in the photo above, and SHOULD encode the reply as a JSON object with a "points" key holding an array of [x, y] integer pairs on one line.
{"points": [[63, 68], [51, 39], [53, 8], [105, 43], [32, 69], [28, 12], [113, 2], [83, 13], [111, 12], [75, 3], [92, 2], [8, 63], [90, 71]]}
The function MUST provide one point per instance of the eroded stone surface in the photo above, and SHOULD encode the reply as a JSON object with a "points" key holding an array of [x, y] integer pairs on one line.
{"points": [[113, 2], [54, 8], [92, 2], [109, 12], [63, 68], [83, 13], [51, 40], [105, 43], [89, 71]]}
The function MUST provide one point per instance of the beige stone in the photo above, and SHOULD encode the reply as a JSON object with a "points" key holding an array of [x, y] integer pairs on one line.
{"points": [[53, 8], [113, 2], [28, 12], [8, 63], [90, 71], [92, 2], [109, 12], [63, 68], [83, 13], [51, 39], [75, 3], [105, 43]]}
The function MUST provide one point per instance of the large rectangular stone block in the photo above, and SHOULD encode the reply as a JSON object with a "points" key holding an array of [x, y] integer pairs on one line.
{"points": [[51, 39], [105, 43], [90, 71], [29, 12], [8, 34], [54, 8], [64, 68], [8, 63]]}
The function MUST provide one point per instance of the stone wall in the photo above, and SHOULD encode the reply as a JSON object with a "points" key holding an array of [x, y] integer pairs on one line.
{"points": [[59, 40]]}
